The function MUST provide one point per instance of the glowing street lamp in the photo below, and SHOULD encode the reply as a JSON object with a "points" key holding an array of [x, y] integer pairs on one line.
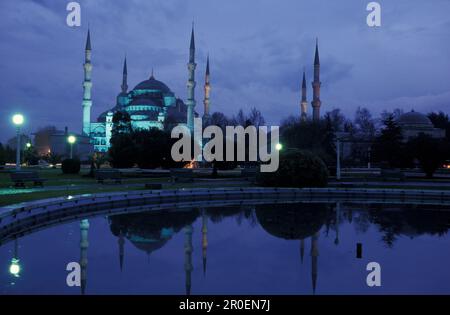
{"points": [[71, 139], [18, 120], [278, 146], [28, 145]]}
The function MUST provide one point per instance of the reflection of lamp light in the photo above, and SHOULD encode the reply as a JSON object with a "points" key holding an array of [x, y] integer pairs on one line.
{"points": [[278, 146], [18, 120], [14, 268]]}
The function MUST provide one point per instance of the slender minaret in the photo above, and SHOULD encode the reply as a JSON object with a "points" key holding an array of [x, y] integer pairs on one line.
{"points": [[304, 102], [124, 85], [87, 85], [206, 101], [84, 244], [188, 249], [314, 255], [121, 249], [204, 239], [316, 103], [123, 96], [191, 83]]}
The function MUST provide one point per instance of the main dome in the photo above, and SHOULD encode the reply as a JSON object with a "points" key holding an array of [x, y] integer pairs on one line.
{"points": [[153, 84], [414, 118]]}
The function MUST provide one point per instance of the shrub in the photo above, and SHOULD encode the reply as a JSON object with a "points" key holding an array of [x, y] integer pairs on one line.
{"points": [[71, 166], [297, 169]]}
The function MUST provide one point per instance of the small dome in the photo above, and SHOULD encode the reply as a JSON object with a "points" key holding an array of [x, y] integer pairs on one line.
{"points": [[414, 118], [153, 84]]}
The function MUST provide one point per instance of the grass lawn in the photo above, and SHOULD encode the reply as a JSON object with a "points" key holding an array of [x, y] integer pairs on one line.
{"points": [[60, 185]]}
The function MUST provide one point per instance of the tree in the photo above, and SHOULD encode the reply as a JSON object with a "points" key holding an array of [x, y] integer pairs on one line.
{"points": [[152, 148], [121, 123], [122, 151], [336, 119], [316, 137], [431, 153], [388, 146], [441, 120], [364, 123]]}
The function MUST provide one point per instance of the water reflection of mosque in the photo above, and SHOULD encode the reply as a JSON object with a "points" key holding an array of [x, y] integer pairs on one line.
{"points": [[150, 231]]}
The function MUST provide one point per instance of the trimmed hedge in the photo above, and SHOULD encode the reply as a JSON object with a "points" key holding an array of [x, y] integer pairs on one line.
{"points": [[297, 169], [71, 166]]}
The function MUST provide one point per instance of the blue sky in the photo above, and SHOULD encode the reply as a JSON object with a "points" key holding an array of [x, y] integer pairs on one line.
{"points": [[258, 49]]}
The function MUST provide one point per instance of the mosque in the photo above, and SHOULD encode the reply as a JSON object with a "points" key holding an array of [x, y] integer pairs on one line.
{"points": [[151, 104]]}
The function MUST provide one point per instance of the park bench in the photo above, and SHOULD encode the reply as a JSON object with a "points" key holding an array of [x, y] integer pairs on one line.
{"points": [[108, 174], [21, 177], [182, 175], [396, 174]]}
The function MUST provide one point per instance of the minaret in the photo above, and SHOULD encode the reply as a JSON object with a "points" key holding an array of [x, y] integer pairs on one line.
{"points": [[304, 102], [124, 85], [123, 96], [316, 103], [87, 85], [121, 249], [204, 239], [84, 244], [314, 255], [188, 249], [206, 101], [191, 83]]}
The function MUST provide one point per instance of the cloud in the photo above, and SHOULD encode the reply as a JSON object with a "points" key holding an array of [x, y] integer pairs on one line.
{"points": [[257, 54]]}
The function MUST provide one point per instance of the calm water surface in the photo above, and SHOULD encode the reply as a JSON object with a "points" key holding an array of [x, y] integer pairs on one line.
{"points": [[264, 249]]}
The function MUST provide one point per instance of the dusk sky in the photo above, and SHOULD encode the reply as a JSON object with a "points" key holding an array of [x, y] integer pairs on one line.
{"points": [[258, 49]]}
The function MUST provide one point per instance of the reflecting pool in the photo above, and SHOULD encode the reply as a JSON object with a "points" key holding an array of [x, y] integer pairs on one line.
{"points": [[293, 248]]}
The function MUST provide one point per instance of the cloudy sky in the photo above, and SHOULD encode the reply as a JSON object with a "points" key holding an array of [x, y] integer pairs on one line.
{"points": [[258, 49]]}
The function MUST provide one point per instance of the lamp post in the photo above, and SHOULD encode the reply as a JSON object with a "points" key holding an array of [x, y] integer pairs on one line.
{"points": [[369, 156], [71, 139], [18, 120]]}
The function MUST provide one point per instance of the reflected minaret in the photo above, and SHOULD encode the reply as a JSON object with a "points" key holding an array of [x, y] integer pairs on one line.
{"points": [[121, 249], [188, 249], [302, 249], [338, 214], [84, 244], [204, 239], [314, 256]]}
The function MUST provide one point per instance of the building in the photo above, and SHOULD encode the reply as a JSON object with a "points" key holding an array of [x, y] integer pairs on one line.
{"points": [[150, 104], [415, 123]]}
